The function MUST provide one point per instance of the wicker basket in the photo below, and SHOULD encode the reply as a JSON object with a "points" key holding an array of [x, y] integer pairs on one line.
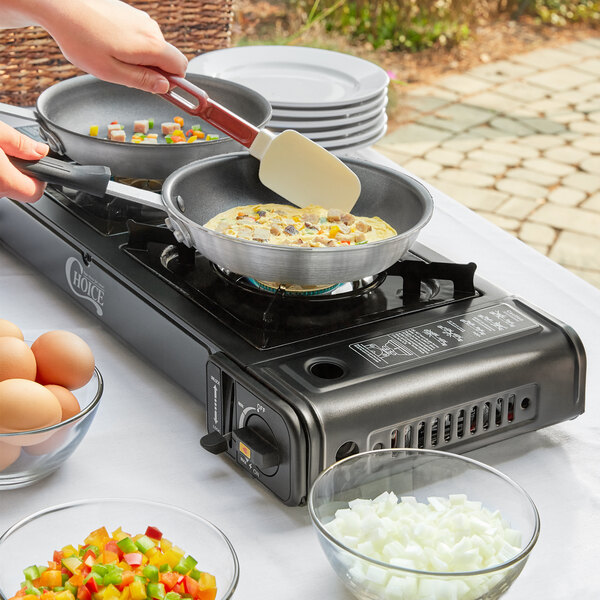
{"points": [[30, 60]]}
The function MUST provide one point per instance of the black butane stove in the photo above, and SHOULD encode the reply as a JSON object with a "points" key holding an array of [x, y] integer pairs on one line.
{"points": [[425, 355]]}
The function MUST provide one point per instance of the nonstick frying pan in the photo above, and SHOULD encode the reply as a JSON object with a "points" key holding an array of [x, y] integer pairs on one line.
{"points": [[65, 111], [197, 192]]}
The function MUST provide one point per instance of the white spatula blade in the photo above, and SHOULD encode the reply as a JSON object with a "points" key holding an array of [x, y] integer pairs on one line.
{"points": [[305, 173]]}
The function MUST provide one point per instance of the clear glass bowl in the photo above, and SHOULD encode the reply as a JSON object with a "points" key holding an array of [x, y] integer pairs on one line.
{"points": [[422, 474], [38, 453], [34, 539]]}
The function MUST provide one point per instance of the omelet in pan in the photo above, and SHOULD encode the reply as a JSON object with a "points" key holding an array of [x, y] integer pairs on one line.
{"points": [[311, 226]]}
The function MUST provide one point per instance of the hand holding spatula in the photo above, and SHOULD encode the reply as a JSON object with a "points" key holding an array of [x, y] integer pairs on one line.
{"points": [[291, 165]]}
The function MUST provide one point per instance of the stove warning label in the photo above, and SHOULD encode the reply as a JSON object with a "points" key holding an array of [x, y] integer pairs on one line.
{"points": [[441, 336]]}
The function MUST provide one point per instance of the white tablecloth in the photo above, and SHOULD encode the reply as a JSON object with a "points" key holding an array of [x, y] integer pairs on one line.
{"points": [[279, 555]]}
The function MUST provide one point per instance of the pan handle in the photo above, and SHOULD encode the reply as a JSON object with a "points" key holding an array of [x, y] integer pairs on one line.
{"points": [[89, 178], [212, 112]]}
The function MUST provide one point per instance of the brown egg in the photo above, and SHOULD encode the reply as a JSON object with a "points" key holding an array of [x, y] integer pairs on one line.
{"points": [[10, 329], [8, 455], [63, 358], [26, 405], [53, 443], [68, 403], [17, 361]]}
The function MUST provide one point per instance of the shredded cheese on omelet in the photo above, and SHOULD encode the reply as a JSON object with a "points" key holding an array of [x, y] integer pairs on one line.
{"points": [[311, 226]]}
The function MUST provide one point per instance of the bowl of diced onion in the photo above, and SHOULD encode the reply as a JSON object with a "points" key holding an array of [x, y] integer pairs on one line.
{"points": [[409, 524]]}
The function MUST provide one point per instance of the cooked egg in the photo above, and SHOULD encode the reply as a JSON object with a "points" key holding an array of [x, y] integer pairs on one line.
{"points": [[63, 358], [24, 406], [17, 361], [10, 329], [8, 455], [68, 403]]}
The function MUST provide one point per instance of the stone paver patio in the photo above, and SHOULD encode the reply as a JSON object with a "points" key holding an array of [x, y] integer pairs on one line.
{"points": [[517, 141]]}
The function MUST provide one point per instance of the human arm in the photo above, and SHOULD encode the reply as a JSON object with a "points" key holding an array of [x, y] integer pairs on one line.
{"points": [[107, 38]]}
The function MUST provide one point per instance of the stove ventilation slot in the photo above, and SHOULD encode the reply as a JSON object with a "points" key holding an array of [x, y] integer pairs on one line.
{"points": [[462, 422]]}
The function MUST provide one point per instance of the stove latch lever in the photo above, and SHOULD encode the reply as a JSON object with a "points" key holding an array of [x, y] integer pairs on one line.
{"points": [[215, 442]]}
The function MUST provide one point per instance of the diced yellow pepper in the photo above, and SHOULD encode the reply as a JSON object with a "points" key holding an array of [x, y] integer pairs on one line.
{"points": [[94, 130], [111, 593], [173, 555], [119, 534], [207, 581], [334, 231], [152, 551], [137, 590], [98, 538], [69, 551], [178, 132], [191, 139], [65, 595], [125, 594], [165, 544]]}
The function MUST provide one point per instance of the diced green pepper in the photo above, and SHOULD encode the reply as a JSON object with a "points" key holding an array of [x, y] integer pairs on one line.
{"points": [[144, 544], [156, 590], [127, 545], [172, 596], [151, 572], [151, 123], [100, 570], [164, 568], [91, 547], [71, 588], [196, 128], [195, 574], [185, 565], [31, 573], [168, 139], [115, 576]]}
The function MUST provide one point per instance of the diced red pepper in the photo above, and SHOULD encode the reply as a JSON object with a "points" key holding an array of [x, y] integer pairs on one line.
{"points": [[92, 585], [153, 532], [133, 559], [191, 586], [58, 556], [83, 593]]}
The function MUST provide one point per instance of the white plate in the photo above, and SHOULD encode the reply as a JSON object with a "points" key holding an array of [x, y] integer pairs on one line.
{"points": [[351, 146], [325, 124], [294, 76], [343, 132], [354, 140], [343, 111]]}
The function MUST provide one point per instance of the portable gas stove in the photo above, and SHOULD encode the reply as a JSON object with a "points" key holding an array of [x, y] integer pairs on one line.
{"points": [[425, 355]]}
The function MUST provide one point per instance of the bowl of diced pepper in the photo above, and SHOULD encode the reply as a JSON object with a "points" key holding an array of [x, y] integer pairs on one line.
{"points": [[116, 549]]}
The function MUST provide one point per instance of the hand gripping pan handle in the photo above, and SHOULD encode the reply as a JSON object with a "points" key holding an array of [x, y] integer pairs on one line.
{"points": [[90, 178], [212, 112]]}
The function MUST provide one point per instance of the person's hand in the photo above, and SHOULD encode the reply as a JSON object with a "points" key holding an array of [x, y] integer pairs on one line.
{"points": [[113, 41], [13, 183]]}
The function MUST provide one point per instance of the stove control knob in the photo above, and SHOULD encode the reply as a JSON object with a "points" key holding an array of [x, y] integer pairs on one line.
{"points": [[261, 451]]}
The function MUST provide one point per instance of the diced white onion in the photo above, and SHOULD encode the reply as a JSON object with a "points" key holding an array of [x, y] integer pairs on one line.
{"points": [[443, 535]]}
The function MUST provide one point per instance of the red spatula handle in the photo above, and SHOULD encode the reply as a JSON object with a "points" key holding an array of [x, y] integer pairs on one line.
{"points": [[212, 112]]}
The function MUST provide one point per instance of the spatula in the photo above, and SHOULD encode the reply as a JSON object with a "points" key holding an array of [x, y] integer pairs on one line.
{"points": [[291, 165]]}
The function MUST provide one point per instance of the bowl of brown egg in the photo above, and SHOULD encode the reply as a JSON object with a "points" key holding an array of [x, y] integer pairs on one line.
{"points": [[50, 390]]}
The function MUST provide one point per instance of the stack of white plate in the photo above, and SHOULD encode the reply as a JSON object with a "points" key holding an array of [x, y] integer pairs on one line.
{"points": [[336, 99]]}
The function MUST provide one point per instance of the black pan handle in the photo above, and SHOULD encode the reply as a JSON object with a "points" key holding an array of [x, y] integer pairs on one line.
{"points": [[91, 179]]}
